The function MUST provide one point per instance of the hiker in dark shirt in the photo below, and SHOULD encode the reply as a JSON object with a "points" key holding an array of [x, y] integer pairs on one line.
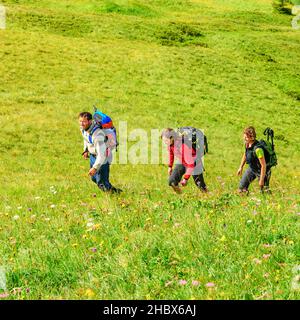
{"points": [[254, 156]]}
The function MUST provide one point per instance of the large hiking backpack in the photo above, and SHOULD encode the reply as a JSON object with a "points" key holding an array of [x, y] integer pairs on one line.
{"points": [[268, 147], [104, 122], [194, 138], [102, 119]]}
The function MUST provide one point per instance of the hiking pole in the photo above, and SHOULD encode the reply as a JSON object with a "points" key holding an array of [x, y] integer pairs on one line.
{"points": [[270, 134]]}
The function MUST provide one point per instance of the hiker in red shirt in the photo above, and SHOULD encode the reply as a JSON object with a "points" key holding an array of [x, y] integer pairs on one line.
{"points": [[189, 162]]}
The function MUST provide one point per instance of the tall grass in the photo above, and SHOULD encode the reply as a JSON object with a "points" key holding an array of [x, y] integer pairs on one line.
{"points": [[218, 65]]}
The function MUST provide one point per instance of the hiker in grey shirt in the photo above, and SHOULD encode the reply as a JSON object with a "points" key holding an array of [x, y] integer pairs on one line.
{"points": [[96, 149]]}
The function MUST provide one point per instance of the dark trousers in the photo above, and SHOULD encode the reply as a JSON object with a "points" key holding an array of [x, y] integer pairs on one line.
{"points": [[179, 171], [249, 175], [101, 178]]}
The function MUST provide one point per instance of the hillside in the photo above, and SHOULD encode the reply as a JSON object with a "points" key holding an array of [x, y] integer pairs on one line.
{"points": [[217, 65]]}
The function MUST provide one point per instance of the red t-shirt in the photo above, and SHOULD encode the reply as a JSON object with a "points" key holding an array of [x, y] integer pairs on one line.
{"points": [[185, 154]]}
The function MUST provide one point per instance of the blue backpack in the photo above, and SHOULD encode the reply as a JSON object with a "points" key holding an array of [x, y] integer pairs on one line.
{"points": [[104, 122]]}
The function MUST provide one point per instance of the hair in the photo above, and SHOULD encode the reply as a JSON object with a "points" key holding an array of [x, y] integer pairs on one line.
{"points": [[86, 115], [250, 132], [168, 133]]}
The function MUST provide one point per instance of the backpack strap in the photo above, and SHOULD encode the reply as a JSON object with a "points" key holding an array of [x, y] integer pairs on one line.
{"points": [[194, 135], [256, 146], [205, 144], [92, 132]]}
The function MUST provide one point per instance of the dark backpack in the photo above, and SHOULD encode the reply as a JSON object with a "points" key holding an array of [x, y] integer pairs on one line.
{"points": [[194, 138], [268, 147]]}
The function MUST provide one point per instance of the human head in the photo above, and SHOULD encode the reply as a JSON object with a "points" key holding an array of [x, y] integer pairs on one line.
{"points": [[85, 120], [249, 134], [168, 136]]}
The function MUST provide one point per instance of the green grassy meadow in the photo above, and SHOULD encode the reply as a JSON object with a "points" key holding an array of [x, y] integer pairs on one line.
{"points": [[214, 64]]}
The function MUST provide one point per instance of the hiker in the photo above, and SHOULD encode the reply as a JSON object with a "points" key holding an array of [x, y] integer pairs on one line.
{"points": [[96, 148], [189, 160], [255, 157]]}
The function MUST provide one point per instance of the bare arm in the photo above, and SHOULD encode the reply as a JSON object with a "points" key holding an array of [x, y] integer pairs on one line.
{"points": [[262, 171], [243, 161]]}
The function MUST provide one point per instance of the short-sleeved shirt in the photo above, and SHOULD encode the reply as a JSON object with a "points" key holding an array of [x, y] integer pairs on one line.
{"points": [[259, 153], [253, 154]]}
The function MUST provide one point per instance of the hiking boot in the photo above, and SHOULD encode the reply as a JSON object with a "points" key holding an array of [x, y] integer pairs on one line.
{"points": [[102, 187], [115, 190], [243, 192], [265, 190], [176, 189], [204, 190]]}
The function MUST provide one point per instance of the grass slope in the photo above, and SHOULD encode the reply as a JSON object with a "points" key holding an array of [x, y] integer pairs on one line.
{"points": [[218, 65]]}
